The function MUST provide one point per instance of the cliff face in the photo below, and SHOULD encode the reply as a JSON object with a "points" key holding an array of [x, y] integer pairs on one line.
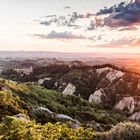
{"points": [[112, 88]]}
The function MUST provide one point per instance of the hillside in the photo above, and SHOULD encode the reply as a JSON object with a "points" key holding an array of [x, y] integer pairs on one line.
{"points": [[44, 105], [92, 99], [24, 105], [107, 85]]}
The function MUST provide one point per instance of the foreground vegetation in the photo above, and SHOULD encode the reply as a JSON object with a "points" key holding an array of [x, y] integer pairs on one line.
{"points": [[15, 129], [22, 98]]}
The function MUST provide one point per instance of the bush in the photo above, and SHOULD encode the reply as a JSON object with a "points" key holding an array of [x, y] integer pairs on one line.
{"points": [[122, 131], [15, 129], [10, 105]]}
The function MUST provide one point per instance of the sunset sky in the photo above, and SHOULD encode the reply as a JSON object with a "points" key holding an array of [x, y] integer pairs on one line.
{"points": [[70, 25]]}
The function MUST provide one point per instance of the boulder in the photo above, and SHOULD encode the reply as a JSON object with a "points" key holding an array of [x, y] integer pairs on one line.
{"points": [[22, 117], [96, 97], [69, 90]]}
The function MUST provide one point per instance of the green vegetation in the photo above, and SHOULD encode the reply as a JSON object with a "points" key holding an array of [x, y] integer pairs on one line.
{"points": [[26, 96], [122, 131], [14, 129], [18, 98]]}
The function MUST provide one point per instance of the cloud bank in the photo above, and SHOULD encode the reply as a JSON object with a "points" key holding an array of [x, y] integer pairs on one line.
{"points": [[60, 35], [113, 27], [124, 14]]}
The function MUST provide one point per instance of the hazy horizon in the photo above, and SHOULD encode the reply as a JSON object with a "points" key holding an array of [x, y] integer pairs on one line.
{"points": [[66, 55]]}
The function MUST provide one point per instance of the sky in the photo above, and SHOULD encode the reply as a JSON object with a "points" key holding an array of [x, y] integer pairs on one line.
{"points": [[70, 25]]}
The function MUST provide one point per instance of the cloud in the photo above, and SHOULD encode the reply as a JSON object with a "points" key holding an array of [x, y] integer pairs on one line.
{"points": [[118, 43], [60, 35], [47, 23], [129, 28], [67, 7], [50, 16], [122, 43], [121, 15], [112, 9], [135, 42], [68, 20]]}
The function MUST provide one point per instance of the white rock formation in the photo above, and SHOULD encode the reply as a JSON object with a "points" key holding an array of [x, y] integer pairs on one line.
{"points": [[69, 90], [96, 97], [56, 84], [62, 116], [126, 103], [40, 81], [43, 109], [101, 70], [135, 116], [112, 74], [22, 117]]}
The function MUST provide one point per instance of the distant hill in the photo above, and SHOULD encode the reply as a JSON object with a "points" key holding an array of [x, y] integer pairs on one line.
{"points": [[64, 55]]}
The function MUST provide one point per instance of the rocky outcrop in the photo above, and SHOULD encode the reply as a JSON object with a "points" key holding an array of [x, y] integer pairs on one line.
{"points": [[42, 111], [101, 85], [65, 118], [62, 116], [101, 70], [127, 103], [69, 90], [96, 97], [22, 117], [135, 116], [41, 81], [112, 74]]}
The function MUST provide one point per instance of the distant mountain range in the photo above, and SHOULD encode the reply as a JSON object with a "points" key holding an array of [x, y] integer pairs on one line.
{"points": [[64, 55]]}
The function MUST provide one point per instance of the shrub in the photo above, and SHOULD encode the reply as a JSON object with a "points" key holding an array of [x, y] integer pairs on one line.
{"points": [[15, 129], [10, 105], [122, 131]]}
